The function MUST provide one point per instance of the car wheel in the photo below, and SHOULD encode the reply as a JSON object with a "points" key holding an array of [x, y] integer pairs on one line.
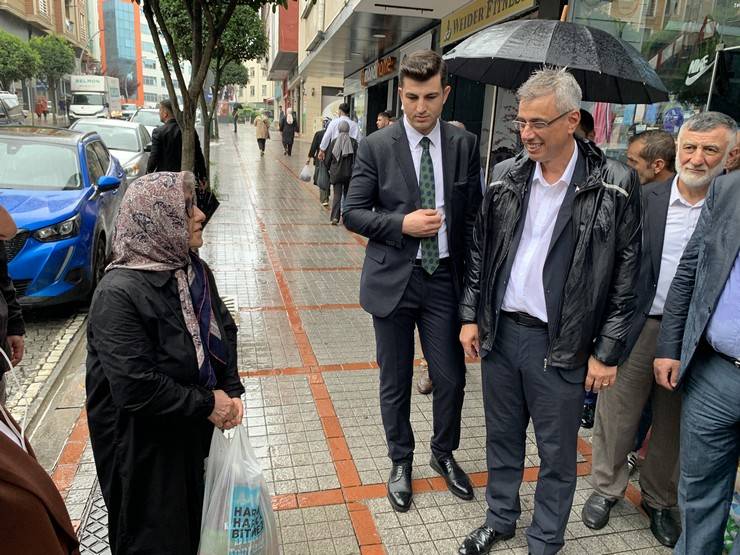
{"points": [[98, 269]]}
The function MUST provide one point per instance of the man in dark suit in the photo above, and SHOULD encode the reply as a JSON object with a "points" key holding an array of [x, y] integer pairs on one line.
{"points": [[548, 302], [166, 154], [699, 351], [671, 213], [414, 194]]}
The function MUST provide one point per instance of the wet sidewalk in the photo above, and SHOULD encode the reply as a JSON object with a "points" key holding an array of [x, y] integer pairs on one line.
{"points": [[307, 359]]}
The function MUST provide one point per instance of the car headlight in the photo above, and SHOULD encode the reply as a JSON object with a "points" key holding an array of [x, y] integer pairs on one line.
{"points": [[132, 170], [57, 232]]}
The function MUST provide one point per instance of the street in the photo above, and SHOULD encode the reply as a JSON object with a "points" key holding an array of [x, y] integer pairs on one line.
{"points": [[307, 360]]}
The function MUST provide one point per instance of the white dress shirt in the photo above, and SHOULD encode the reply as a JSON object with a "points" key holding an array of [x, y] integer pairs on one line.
{"points": [[525, 291], [680, 223], [435, 151], [332, 131]]}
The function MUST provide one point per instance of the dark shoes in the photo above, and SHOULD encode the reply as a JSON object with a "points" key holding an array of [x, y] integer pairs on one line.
{"points": [[481, 540], [587, 416], [595, 513], [457, 481], [424, 385], [399, 487], [335, 222], [663, 526]]}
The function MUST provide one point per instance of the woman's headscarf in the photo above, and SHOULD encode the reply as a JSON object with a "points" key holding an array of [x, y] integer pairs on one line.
{"points": [[343, 143], [152, 235], [289, 117]]}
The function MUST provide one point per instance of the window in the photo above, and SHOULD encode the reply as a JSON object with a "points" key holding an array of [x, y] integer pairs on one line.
{"points": [[103, 156], [43, 7], [152, 81], [251, 90], [150, 64], [264, 91], [251, 72], [94, 170], [148, 97], [147, 46]]}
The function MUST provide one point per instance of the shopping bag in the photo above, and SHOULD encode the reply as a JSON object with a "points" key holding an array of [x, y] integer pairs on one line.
{"points": [[214, 464], [306, 174], [323, 177], [238, 519]]}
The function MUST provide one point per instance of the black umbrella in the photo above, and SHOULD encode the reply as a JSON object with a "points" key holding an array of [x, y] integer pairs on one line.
{"points": [[607, 68]]}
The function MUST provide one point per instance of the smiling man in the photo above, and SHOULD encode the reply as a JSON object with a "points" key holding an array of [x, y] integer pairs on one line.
{"points": [[547, 304], [415, 193]]}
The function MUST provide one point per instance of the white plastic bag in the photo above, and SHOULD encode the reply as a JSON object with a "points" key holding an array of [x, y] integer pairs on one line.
{"points": [[306, 173], [214, 465], [238, 519]]}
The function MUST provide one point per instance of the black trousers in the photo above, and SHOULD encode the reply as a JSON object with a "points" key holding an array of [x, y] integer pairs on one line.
{"points": [[288, 148], [261, 144], [517, 387], [429, 302], [340, 191]]}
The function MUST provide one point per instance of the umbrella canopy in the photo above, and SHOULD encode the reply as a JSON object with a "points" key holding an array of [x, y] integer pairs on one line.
{"points": [[607, 68]]}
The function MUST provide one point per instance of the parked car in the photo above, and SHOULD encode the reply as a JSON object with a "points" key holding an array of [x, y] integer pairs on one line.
{"points": [[127, 110], [11, 112], [149, 117], [129, 142], [63, 189]]}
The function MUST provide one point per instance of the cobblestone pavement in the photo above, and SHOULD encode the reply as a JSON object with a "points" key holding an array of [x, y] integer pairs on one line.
{"points": [[307, 361]]}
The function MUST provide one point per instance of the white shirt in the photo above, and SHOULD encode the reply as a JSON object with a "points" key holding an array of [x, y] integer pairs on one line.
{"points": [[332, 131], [680, 223], [435, 151], [525, 291]]}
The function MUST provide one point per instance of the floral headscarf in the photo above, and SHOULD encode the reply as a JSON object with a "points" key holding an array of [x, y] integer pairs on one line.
{"points": [[152, 235]]}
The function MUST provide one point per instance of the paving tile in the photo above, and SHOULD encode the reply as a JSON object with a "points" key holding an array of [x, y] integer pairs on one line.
{"points": [[265, 341], [324, 287]]}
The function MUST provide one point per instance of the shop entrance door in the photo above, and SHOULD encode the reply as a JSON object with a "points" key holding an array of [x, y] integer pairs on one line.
{"points": [[377, 98]]}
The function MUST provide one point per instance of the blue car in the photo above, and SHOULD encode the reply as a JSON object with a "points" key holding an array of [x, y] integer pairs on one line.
{"points": [[63, 189]]}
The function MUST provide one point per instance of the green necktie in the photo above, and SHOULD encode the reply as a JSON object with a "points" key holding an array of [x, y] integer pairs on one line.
{"points": [[429, 247]]}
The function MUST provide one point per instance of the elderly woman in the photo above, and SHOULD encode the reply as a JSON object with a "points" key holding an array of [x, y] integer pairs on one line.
{"points": [[161, 370], [340, 158]]}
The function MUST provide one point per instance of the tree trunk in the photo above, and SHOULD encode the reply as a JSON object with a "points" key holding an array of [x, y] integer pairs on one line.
{"points": [[206, 132], [187, 128], [54, 102]]}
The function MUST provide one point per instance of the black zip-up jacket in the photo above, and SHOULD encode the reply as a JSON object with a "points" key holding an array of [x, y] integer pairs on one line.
{"points": [[598, 300]]}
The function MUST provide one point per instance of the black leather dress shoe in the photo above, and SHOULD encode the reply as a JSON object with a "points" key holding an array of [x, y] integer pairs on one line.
{"points": [[663, 526], [481, 540], [595, 513], [399, 487], [587, 416], [457, 481]]}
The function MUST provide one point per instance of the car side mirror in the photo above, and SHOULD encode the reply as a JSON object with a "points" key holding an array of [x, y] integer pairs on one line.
{"points": [[148, 147], [106, 105], [108, 183]]}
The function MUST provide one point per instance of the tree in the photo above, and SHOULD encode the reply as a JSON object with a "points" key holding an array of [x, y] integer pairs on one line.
{"points": [[207, 23], [243, 39], [57, 59], [17, 60]]}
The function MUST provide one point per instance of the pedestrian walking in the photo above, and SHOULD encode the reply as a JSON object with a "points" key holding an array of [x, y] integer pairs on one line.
{"points": [[40, 106], [161, 369], [698, 352], [235, 115], [415, 194], [288, 129], [383, 119], [262, 131], [340, 159], [166, 153], [547, 304], [313, 153], [332, 130], [671, 212]]}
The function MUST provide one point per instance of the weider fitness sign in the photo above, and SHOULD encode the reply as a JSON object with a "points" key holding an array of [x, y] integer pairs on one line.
{"points": [[479, 14]]}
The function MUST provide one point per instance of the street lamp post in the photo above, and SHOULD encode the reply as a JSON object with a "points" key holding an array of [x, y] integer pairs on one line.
{"points": [[87, 44]]}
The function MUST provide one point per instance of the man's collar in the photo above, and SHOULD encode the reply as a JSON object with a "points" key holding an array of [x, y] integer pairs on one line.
{"points": [[567, 176], [415, 137], [676, 196]]}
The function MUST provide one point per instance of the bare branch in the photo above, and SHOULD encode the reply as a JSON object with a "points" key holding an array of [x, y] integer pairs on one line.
{"points": [[162, 26], [153, 26]]}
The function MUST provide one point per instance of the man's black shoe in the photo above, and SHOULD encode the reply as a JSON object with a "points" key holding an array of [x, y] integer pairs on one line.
{"points": [[399, 487], [481, 540], [663, 526], [595, 513], [587, 416], [457, 481]]}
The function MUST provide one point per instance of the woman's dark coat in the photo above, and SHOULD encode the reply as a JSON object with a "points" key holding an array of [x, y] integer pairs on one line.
{"points": [[288, 130], [147, 415]]}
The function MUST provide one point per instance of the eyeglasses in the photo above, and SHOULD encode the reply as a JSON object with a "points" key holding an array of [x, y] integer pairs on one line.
{"points": [[189, 203], [538, 125]]}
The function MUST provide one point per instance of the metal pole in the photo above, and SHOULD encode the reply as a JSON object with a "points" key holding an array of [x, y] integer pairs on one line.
{"points": [[714, 75], [490, 132]]}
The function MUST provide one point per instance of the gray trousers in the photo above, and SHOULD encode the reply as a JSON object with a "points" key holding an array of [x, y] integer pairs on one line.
{"points": [[618, 413], [516, 387]]}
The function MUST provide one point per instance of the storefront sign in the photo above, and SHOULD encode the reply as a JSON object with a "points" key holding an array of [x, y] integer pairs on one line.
{"points": [[697, 68], [381, 68], [479, 14]]}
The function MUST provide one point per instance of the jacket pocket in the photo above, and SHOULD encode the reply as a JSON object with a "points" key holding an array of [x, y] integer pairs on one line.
{"points": [[375, 252]]}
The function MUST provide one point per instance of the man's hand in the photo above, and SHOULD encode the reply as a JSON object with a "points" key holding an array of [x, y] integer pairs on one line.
{"points": [[17, 348], [223, 409], [600, 376], [238, 414], [666, 372], [470, 341], [321, 155], [424, 222]]}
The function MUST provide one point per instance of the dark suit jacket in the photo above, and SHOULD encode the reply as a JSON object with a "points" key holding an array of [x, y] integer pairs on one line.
{"points": [[166, 154], [655, 197], [384, 189], [702, 273]]}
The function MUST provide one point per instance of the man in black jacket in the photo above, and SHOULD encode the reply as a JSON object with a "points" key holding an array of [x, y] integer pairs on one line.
{"points": [[313, 154], [547, 303], [166, 154]]}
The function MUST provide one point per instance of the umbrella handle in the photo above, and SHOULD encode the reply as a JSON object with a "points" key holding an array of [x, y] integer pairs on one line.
{"points": [[564, 13]]}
